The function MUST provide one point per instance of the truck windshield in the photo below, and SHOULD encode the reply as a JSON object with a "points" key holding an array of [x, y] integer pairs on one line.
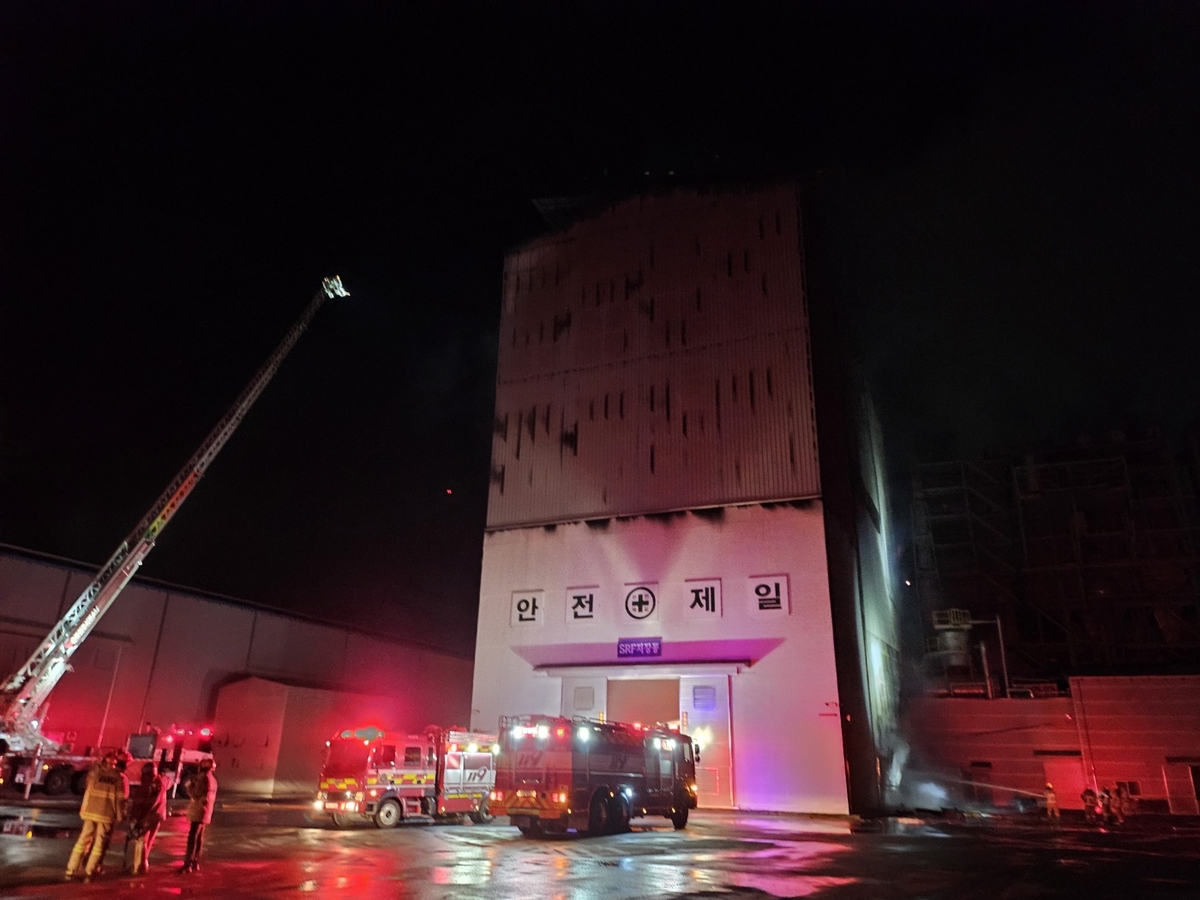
{"points": [[346, 756]]}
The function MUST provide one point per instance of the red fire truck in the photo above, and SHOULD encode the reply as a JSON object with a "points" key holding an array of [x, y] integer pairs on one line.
{"points": [[556, 774], [440, 775], [179, 750]]}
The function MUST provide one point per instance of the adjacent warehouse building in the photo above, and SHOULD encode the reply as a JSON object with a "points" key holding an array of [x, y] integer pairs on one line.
{"points": [[1062, 586], [165, 655], [1141, 732], [687, 522]]}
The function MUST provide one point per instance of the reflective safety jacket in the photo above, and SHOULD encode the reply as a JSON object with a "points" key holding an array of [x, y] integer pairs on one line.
{"points": [[202, 790], [104, 799]]}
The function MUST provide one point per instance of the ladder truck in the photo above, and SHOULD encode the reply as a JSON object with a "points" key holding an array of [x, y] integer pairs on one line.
{"points": [[24, 694]]}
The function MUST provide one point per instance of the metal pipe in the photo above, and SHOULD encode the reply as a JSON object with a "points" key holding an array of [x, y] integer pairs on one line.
{"points": [[1003, 660], [112, 683], [987, 675], [1003, 657]]}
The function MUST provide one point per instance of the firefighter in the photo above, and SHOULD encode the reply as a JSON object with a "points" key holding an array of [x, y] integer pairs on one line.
{"points": [[1105, 798], [103, 806], [123, 760], [1116, 805], [202, 789], [147, 812], [1128, 804], [1052, 812], [1090, 800]]}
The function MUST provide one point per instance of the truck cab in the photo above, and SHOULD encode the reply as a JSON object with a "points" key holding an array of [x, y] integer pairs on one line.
{"points": [[178, 749]]}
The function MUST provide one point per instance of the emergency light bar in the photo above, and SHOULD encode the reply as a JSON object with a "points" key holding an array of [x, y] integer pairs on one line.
{"points": [[368, 733]]}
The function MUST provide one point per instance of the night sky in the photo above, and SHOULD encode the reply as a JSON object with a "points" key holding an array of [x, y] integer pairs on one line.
{"points": [[1009, 208]]}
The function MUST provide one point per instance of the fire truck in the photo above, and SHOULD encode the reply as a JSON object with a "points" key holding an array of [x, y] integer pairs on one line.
{"points": [[441, 775], [178, 750], [555, 775]]}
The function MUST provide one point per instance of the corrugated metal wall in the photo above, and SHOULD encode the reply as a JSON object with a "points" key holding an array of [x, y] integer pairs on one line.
{"points": [[656, 357], [1145, 730], [160, 654], [1142, 730]]}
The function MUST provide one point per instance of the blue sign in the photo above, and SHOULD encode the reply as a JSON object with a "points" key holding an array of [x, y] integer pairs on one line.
{"points": [[634, 648]]}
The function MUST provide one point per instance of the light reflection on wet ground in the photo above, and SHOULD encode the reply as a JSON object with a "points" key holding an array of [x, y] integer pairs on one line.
{"points": [[257, 854]]}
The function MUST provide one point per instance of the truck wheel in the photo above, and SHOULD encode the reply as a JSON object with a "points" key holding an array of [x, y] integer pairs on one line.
{"points": [[482, 815], [389, 814], [79, 782], [598, 817], [58, 780], [618, 814], [680, 816], [340, 821]]}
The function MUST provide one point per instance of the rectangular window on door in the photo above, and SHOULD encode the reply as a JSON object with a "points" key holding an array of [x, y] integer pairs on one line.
{"points": [[585, 699]]}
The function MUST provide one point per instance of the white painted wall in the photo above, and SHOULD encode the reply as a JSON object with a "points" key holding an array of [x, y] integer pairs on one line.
{"points": [[786, 739]]}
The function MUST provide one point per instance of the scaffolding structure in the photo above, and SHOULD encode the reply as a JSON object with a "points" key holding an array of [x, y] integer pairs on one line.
{"points": [[1086, 553]]}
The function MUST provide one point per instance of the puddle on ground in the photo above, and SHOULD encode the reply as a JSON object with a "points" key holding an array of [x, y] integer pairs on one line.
{"points": [[895, 825], [789, 885], [20, 826]]}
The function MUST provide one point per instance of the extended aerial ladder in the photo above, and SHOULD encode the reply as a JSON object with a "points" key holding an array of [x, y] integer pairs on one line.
{"points": [[26, 690]]}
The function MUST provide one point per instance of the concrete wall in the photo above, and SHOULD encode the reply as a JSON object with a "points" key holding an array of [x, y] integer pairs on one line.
{"points": [[160, 655], [771, 673]]}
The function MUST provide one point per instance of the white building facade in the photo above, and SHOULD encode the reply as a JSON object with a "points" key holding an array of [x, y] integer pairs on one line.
{"points": [[664, 544]]}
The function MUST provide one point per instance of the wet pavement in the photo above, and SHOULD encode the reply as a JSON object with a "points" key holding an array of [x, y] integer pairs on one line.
{"points": [[259, 851]]}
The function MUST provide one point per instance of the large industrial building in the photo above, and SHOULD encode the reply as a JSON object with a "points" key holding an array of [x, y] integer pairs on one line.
{"points": [[687, 522], [272, 687]]}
